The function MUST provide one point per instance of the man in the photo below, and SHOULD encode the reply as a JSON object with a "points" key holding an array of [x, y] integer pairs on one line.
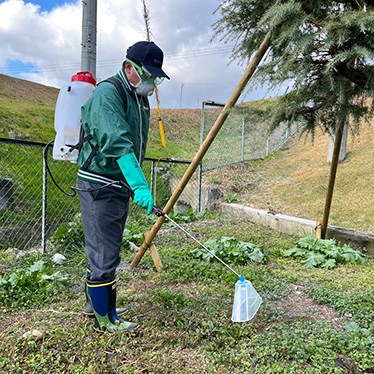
{"points": [[109, 162]]}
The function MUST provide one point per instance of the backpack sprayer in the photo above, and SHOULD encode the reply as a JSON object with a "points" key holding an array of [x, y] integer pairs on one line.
{"points": [[68, 121], [69, 133], [68, 115]]}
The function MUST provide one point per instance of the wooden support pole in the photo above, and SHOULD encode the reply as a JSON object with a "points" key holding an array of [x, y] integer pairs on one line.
{"points": [[155, 257], [205, 146], [318, 228], [333, 169]]}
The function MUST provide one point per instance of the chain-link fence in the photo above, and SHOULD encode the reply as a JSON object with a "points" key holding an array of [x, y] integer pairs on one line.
{"points": [[21, 168], [240, 138], [32, 207]]}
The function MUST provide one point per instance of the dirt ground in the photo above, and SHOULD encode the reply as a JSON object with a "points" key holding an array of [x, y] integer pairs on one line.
{"points": [[298, 304]]}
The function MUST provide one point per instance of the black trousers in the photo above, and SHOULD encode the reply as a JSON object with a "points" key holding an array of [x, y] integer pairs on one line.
{"points": [[104, 214]]}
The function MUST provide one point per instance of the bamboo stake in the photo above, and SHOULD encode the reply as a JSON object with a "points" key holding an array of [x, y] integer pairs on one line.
{"points": [[205, 146], [333, 169]]}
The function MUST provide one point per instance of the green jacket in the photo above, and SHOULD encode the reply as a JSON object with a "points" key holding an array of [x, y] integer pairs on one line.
{"points": [[117, 133]]}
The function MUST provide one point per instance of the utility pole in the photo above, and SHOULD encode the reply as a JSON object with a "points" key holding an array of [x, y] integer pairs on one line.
{"points": [[89, 30], [180, 101]]}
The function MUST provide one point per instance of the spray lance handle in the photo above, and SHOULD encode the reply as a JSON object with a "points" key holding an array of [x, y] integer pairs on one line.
{"points": [[158, 211]]}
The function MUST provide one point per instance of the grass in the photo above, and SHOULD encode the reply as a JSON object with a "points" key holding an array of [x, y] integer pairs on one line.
{"points": [[304, 325], [311, 321], [294, 181], [182, 134], [27, 121]]}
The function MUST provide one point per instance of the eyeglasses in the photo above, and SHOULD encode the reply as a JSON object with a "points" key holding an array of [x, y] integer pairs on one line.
{"points": [[145, 75]]}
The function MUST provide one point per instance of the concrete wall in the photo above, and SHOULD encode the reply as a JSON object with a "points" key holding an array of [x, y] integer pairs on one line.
{"points": [[210, 195], [300, 227]]}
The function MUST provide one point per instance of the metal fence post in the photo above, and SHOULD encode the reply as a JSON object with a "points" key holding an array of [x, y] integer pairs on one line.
{"points": [[243, 137], [199, 187], [202, 123], [44, 208], [154, 173], [152, 176]]}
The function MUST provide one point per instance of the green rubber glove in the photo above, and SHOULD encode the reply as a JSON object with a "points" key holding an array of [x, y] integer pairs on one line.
{"points": [[133, 173]]}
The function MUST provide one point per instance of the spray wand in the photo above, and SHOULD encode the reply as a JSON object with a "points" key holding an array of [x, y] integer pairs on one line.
{"points": [[246, 300], [160, 213]]}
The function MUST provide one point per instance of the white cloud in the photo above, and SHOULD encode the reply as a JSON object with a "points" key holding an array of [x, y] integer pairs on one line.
{"points": [[52, 41], [47, 40]]}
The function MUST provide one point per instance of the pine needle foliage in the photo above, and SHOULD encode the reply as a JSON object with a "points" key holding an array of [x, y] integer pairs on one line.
{"points": [[321, 50]]}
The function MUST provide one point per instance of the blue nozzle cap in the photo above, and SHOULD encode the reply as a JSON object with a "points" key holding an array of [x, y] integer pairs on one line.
{"points": [[241, 278]]}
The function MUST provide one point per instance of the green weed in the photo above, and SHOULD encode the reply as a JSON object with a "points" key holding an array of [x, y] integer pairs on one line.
{"points": [[31, 285], [230, 250], [69, 235], [323, 252], [231, 198]]}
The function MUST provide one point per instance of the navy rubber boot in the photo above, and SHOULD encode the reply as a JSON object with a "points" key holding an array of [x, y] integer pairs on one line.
{"points": [[103, 301], [88, 311]]}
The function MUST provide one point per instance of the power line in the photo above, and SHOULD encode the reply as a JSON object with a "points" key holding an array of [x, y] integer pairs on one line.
{"points": [[198, 53]]}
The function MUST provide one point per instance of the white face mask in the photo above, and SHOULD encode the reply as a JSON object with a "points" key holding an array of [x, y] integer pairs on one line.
{"points": [[144, 88]]}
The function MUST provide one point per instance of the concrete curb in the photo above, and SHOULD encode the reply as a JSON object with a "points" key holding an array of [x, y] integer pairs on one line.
{"points": [[299, 226]]}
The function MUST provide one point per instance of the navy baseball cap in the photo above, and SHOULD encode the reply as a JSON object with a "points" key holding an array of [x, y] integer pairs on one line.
{"points": [[148, 55]]}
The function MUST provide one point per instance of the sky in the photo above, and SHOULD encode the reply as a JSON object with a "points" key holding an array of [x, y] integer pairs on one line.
{"points": [[40, 41]]}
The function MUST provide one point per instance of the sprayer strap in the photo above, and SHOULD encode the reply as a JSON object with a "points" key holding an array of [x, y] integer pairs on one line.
{"points": [[116, 83], [82, 139], [91, 156], [79, 145]]}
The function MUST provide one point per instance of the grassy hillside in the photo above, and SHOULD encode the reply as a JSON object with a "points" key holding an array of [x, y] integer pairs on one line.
{"points": [[26, 109], [293, 181], [182, 133], [27, 112]]}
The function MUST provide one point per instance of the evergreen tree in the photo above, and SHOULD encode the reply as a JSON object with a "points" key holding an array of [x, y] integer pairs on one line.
{"points": [[321, 49]]}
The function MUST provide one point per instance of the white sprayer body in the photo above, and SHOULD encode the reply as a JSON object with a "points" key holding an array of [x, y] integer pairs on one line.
{"points": [[68, 118]]}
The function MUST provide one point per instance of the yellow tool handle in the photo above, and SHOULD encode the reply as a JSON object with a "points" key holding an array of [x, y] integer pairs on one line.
{"points": [[162, 132], [160, 120]]}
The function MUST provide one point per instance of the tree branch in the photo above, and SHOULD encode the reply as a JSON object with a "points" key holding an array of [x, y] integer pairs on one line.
{"points": [[355, 76], [308, 109]]}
